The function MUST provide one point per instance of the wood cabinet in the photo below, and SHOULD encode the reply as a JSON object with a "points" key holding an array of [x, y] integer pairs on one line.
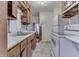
{"points": [[3, 28], [26, 17], [12, 10], [33, 42], [29, 52], [69, 8], [14, 52], [24, 48], [71, 49]]}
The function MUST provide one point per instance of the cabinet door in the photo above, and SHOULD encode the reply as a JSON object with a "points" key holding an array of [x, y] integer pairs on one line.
{"points": [[33, 42], [67, 49], [23, 53], [29, 50], [28, 15], [23, 48], [12, 9]]}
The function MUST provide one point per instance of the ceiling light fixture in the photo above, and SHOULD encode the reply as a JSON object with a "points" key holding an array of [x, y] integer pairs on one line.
{"points": [[43, 2]]}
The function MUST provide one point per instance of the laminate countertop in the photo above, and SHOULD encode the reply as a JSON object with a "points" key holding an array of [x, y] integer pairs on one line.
{"points": [[73, 38], [57, 35], [14, 40]]}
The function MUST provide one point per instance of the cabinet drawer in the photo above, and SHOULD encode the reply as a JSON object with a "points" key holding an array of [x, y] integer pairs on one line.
{"points": [[23, 44], [14, 52]]}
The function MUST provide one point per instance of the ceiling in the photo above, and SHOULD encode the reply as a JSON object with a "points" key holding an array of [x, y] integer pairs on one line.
{"points": [[37, 7]]}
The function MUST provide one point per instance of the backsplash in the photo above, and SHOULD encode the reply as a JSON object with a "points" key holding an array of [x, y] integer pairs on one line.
{"points": [[15, 25], [72, 20], [27, 27]]}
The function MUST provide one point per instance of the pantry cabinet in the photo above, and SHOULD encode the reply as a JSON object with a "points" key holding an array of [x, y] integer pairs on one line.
{"points": [[69, 8], [12, 10]]}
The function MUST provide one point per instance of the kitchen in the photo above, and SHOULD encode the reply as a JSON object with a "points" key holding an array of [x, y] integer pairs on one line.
{"points": [[39, 29]]}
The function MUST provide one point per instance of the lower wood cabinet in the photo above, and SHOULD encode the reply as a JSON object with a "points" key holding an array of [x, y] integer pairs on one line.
{"points": [[24, 48], [33, 43], [23, 53], [14, 52], [29, 51]]}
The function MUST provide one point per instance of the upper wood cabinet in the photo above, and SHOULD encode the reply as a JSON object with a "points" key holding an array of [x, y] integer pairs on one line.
{"points": [[25, 7], [26, 17], [12, 10], [69, 8]]}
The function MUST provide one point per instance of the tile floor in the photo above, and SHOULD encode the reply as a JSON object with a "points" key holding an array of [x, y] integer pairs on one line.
{"points": [[43, 49]]}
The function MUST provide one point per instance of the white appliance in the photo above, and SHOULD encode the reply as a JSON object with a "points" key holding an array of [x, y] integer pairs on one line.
{"points": [[57, 35], [56, 43], [69, 47]]}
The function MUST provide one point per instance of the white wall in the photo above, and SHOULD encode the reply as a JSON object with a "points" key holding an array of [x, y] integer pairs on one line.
{"points": [[35, 19], [49, 21], [46, 22]]}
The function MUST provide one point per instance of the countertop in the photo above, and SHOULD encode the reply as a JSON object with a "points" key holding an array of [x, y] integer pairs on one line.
{"points": [[13, 40], [73, 38], [72, 35], [57, 34]]}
